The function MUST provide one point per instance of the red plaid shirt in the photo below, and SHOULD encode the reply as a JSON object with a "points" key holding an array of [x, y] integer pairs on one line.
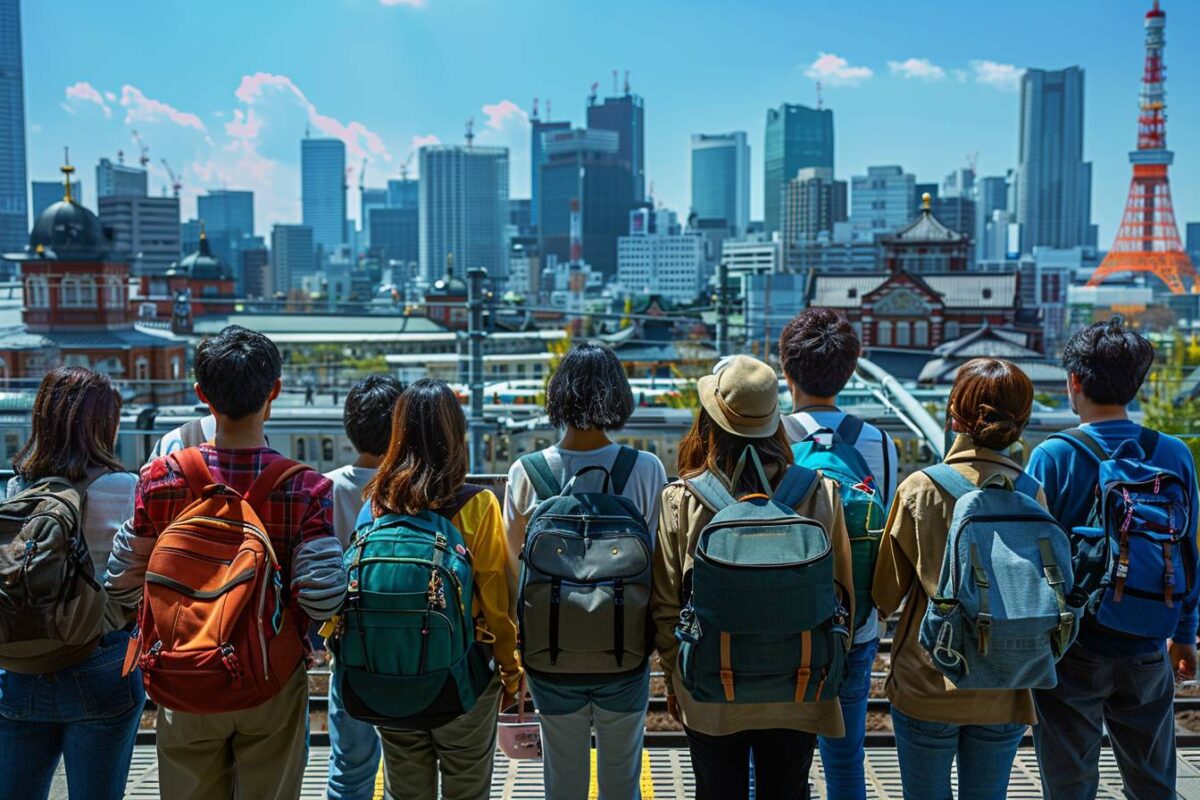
{"points": [[298, 511]]}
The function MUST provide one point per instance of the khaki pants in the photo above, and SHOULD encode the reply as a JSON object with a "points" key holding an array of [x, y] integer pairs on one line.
{"points": [[461, 750], [261, 750]]}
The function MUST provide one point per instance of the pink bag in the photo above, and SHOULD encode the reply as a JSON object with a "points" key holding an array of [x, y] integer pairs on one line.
{"points": [[520, 734]]}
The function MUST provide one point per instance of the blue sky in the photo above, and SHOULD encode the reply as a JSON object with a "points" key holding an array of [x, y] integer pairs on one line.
{"points": [[223, 90]]}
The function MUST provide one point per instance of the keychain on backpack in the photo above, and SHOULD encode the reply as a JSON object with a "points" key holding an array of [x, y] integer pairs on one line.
{"points": [[436, 595]]}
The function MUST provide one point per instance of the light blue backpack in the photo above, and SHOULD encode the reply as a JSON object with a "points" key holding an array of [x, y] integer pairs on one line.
{"points": [[1001, 617]]}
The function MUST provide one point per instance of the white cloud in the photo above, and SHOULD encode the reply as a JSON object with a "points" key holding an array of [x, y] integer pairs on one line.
{"points": [[408, 3], [84, 92], [500, 114], [417, 142], [506, 124], [1005, 77], [834, 70], [139, 108], [361, 142], [961, 75], [917, 68]]}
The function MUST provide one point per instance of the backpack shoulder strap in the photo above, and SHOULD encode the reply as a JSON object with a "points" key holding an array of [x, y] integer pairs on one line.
{"points": [[796, 485], [545, 484], [275, 475], [464, 496], [191, 433], [622, 468], [1027, 485], [849, 429], [194, 468], [1082, 440], [950, 479], [711, 491], [1148, 440]]}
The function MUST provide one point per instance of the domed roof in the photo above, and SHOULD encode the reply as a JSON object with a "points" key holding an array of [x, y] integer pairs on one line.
{"points": [[449, 286], [201, 265], [70, 231]]}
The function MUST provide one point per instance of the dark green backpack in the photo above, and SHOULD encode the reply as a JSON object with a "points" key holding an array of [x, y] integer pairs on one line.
{"points": [[764, 620], [405, 654]]}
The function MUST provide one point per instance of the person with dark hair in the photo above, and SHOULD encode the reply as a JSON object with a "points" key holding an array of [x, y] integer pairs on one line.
{"points": [[818, 352], [260, 750], [936, 723], [80, 710], [424, 471], [354, 749], [1117, 681], [739, 409], [588, 399]]}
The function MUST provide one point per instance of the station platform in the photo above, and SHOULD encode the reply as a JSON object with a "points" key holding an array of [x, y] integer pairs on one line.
{"points": [[667, 776]]}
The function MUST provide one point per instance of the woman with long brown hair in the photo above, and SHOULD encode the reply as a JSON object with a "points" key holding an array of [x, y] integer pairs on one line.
{"points": [[424, 473], [77, 708], [740, 412], [935, 723]]}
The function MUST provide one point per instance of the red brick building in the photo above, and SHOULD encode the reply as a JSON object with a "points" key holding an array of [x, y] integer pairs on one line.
{"points": [[198, 284], [77, 311]]}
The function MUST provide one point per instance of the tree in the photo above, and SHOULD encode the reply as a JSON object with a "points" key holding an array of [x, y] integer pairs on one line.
{"points": [[1167, 402]]}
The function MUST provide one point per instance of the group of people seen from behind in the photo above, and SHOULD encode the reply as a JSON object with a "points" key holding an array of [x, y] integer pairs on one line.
{"points": [[1057, 595]]}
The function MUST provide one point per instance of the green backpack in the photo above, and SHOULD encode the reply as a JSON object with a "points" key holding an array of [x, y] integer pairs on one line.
{"points": [[764, 619], [405, 654]]}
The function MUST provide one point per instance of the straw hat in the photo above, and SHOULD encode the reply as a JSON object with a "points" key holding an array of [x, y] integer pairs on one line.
{"points": [[742, 396]]}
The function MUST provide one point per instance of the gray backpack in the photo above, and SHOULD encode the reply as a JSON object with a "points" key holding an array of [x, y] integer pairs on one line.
{"points": [[51, 605], [1001, 617], [585, 575]]}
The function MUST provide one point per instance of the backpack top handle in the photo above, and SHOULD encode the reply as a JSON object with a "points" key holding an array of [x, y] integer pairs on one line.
{"points": [[750, 456]]}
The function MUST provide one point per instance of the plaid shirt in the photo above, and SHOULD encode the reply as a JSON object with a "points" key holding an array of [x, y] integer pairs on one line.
{"points": [[298, 512]]}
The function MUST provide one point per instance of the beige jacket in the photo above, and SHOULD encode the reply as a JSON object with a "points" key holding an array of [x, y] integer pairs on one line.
{"points": [[908, 571], [681, 519]]}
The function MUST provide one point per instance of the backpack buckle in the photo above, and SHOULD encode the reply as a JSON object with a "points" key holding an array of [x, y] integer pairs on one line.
{"points": [[984, 621], [1054, 575], [727, 684]]}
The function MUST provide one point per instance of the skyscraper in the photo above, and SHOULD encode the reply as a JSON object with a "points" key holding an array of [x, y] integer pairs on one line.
{"points": [[14, 213], [991, 196], [403, 193], [463, 209], [626, 116], [323, 190], [292, 257], [813, 202], [585, 165], [882, 200], [47, 193], [721, 179], [368, 201], [146, 230], [1054, 182], [537, 156], [797, 137], [227, 210], [118, 180]]}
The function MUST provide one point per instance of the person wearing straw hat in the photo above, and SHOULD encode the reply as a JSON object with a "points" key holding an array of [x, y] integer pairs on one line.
{"points": [[739, 409]]}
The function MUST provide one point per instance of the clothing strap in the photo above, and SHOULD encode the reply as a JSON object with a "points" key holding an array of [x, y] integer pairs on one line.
{"points": [[545, 484], [622, 469], [1081, 439], [1027, 485], [464, 496], [711, 491], [750, 457], [849, 429], [727, 665], [619, 621], [950, 479], [796, 485], [804, 672], [1054, 577], [195, 469], [277, 473], [979, 573], [555, 614]]}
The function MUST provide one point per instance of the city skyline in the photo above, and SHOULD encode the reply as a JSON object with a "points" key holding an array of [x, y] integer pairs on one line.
{"points": [[942, 89]]}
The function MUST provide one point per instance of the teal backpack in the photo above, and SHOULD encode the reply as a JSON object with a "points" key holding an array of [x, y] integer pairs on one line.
{"points": [[405, 654], [834, 455], [764, 620]]}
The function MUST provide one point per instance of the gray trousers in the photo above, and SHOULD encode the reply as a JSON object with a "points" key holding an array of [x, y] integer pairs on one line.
{"points": [[461, 751], [567, 750], [1133, 697]]}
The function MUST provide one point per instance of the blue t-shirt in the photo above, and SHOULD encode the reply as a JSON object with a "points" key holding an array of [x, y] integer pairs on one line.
{"points": [[1069, 476]]}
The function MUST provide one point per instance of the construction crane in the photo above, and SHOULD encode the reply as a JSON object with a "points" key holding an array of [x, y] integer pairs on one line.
{"points": [[535, 104], [470, 131], [175, 184], [144, 158], [626, 83], [121, 157], [820, 100], [405, 165], [592, 94], [362, 176]]}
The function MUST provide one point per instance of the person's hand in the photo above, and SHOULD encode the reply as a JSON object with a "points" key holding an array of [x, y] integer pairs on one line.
{"points": [[1183, 660], [673, 709]]}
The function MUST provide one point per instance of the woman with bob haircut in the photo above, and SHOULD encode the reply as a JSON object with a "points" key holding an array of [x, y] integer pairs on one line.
{"points": [[739, 408], [587, 399], [425, 469], [81, 710], [988, 408]]}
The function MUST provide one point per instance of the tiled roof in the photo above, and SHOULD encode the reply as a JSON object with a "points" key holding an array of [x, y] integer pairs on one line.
{"points": [[269, 324], [970, 290], [988, 341], [1040, 371], [108, 340], [845, 291], [926, 228]]}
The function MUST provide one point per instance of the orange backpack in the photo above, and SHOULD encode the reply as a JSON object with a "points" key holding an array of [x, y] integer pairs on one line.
{"points": [[214, 633]]}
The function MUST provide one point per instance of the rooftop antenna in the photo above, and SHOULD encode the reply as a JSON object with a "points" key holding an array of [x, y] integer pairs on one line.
{"points": [[66, 170], [470, 132], [547, 111], [614, 83], [820, 100], [121, 157], [592, 93], [626, 83], [535, 101]]}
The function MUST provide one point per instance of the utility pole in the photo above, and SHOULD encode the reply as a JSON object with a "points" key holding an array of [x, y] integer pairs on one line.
{"points": [[475, 336], [722, 308]]}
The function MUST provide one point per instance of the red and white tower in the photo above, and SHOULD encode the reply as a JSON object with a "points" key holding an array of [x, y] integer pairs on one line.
{"points": [[1148, 240]]}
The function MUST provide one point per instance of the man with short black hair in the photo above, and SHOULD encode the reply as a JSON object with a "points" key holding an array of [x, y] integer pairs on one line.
{"points": [[1112, 680], [261, 751], [355, 750], [819, 352]]}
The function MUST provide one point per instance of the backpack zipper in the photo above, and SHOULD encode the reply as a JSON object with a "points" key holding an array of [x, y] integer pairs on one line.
{"points": [[758, 523]]}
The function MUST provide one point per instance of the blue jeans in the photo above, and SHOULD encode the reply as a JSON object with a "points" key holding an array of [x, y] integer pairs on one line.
{"points": [[354, 752], [87, 715], [926, 751], [842, 759]]}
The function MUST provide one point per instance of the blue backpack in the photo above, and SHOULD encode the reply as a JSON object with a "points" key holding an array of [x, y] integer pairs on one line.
{"points": [[1136, 554], [764, 619], [1001, 618], [405, 654], [834, 455]]}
